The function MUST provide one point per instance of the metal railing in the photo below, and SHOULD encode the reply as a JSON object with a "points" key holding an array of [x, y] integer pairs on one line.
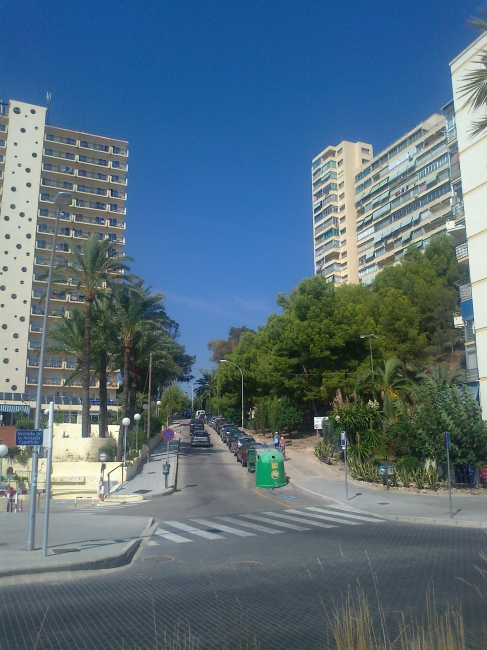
{"points": [[461, 251]]}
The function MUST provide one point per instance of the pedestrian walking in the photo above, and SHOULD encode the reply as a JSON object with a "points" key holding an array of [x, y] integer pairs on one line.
{"points": [[275, 442], [282, 446]]}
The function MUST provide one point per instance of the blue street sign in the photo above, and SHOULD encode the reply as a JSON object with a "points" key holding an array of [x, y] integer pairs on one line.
{"points": [[29, 438], [168, 435], [343, 439], [447, 440]]}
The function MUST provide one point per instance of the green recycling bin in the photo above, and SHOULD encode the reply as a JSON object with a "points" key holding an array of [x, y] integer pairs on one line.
{"points": [[269, 469]]}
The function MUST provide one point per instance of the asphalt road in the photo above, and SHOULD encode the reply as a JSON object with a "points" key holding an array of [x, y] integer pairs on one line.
{"points": [[188, 575]]}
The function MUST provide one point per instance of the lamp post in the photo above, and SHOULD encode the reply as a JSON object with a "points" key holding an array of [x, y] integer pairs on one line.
{"points": [[234, 364], [145, 407], [192, 395], [125, 422], [370, 337], [137, 417], [62, 199], [3, 453], [158, 404]]}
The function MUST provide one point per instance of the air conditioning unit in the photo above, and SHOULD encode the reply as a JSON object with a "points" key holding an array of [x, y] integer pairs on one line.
{"points": [[457, 321]]}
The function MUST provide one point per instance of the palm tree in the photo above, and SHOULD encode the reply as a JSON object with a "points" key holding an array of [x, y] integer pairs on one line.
{"points": [[135, 311], [439, 376], [474, 88], [206, 386], [390, 381], [67, 337], [103, 351], [93, 266]]}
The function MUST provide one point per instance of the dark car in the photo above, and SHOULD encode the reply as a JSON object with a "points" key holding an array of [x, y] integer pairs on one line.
{"points": [[238, 442], [186, 413], [200, 438], [243, 451], [196, 423], [221, 423], [226, 430], [233, 435], [208, 417]]}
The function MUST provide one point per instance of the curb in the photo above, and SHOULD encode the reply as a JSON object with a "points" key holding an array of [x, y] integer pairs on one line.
{"points": [[413, 520], [122, 558]]}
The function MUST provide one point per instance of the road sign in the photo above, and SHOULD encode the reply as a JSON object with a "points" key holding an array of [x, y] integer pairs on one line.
{"points": [[29, 438], [319, 423], [447, 440], [102, 456], [167, 435], [343, 439]]}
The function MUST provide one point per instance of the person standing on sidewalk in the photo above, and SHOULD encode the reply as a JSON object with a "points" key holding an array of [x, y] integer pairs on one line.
{"points": [[282, 446], [275, 442]]}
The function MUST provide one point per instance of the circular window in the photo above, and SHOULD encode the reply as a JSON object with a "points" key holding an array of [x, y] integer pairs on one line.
{"points": [[4, 327], [22, 319], [6, 218], [34, 155], [7, 381], [5, 268], [29, 219], [2, 305], [22, 130], [14, 189], [25, 302], [14, 387], [16, 110], [12, 207], [29, 184], [21, 282], [24, 269], [16, 336], [27, 169], [29, 236], [32, 111], [2, 288], [14, 295], [19, 246], [22, 214], [5, 361], [7, 236]]}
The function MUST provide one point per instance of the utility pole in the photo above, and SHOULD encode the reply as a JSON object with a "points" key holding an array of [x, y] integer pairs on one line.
{"points": [[148, 407]]}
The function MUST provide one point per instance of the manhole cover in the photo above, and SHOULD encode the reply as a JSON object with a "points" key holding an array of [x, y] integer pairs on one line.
{"points": [[158, 558], [58, 551], [384, 503], [246, 564], [141, 491]]}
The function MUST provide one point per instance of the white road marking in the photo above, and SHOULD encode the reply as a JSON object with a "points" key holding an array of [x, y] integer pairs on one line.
{"points": [[254, 526], [193, 530], [266, 520], [299, 519], [345, 513], [223, 529], [172, 537]]}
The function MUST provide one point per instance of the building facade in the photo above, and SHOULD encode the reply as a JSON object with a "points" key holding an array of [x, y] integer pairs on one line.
{"points": [[37, 161], [334, 222], [471, 229]]}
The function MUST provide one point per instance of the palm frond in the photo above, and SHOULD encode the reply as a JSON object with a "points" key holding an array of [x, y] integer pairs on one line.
{"points": [[474, 87]]}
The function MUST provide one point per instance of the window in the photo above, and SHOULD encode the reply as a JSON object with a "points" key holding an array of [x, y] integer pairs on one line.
{"points": [[45, 197], [342, 219], [113, 222], [341, 185], [341, 197], [364, 160], [343, 231], [342, 208], [340, 162], [339, 152], [112, 236], [365, 150], [344, 254], [114, 193]]}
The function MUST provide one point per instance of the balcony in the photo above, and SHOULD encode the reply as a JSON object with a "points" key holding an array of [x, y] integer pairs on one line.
{"points": [[472, 375], [35, 326], [118, 180], [116, 164], [461, 252], [92, 205], [50, 137], [98, 176], [119, 151], [117, 208], [89, 160], [88, 189], [458, 210], [451, 134], [33, 363], [468, 334], [60, 169], [59, 154], [61, 185]]}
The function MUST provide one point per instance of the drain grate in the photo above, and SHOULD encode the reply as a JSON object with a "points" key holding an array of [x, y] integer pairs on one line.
{"points": [[384, 503], [246, 564], [141, 491], [58, 551], [158, 558]]}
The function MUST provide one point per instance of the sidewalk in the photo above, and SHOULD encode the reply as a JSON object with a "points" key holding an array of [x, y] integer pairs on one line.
{"points": [[77, 541], [150, 481], [307, 473]]}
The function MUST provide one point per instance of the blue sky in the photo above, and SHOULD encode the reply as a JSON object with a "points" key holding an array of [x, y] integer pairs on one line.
{"points": [[224, 105]]}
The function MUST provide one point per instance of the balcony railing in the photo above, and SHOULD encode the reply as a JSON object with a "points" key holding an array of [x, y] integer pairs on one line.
{"points": [[451, 134], [465, 291], [468, 333], [461, 251], [458, 210], [472, 375]]}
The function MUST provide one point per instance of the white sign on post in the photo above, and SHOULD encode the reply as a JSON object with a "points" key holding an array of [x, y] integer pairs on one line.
{"points": [[319, 423]]}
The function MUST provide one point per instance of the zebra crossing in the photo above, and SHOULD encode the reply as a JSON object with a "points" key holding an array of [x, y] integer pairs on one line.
{"points": [[251, 524]]}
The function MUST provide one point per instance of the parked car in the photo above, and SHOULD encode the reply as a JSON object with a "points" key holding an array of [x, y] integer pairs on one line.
{"points": [[226, 430], [186, 413], [208, 417], [243, 452], [200, 438], [232, 435], [239, 441]]}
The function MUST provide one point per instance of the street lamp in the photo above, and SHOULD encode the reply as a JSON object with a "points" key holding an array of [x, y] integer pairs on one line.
{"points": [[370, 337], [125, 422], [192, 395], [145, 407], [158, 404], [137, 417], [234, 364], [62, 199]]}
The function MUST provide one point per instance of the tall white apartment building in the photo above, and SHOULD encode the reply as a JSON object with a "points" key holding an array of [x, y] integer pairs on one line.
{"points": [[38, 160], [334, 222], [473, 157]]}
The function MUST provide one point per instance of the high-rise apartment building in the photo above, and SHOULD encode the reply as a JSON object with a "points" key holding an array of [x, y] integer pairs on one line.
{"points": [[334, 222], [403, 196], [37, 161], [470, 227]]}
